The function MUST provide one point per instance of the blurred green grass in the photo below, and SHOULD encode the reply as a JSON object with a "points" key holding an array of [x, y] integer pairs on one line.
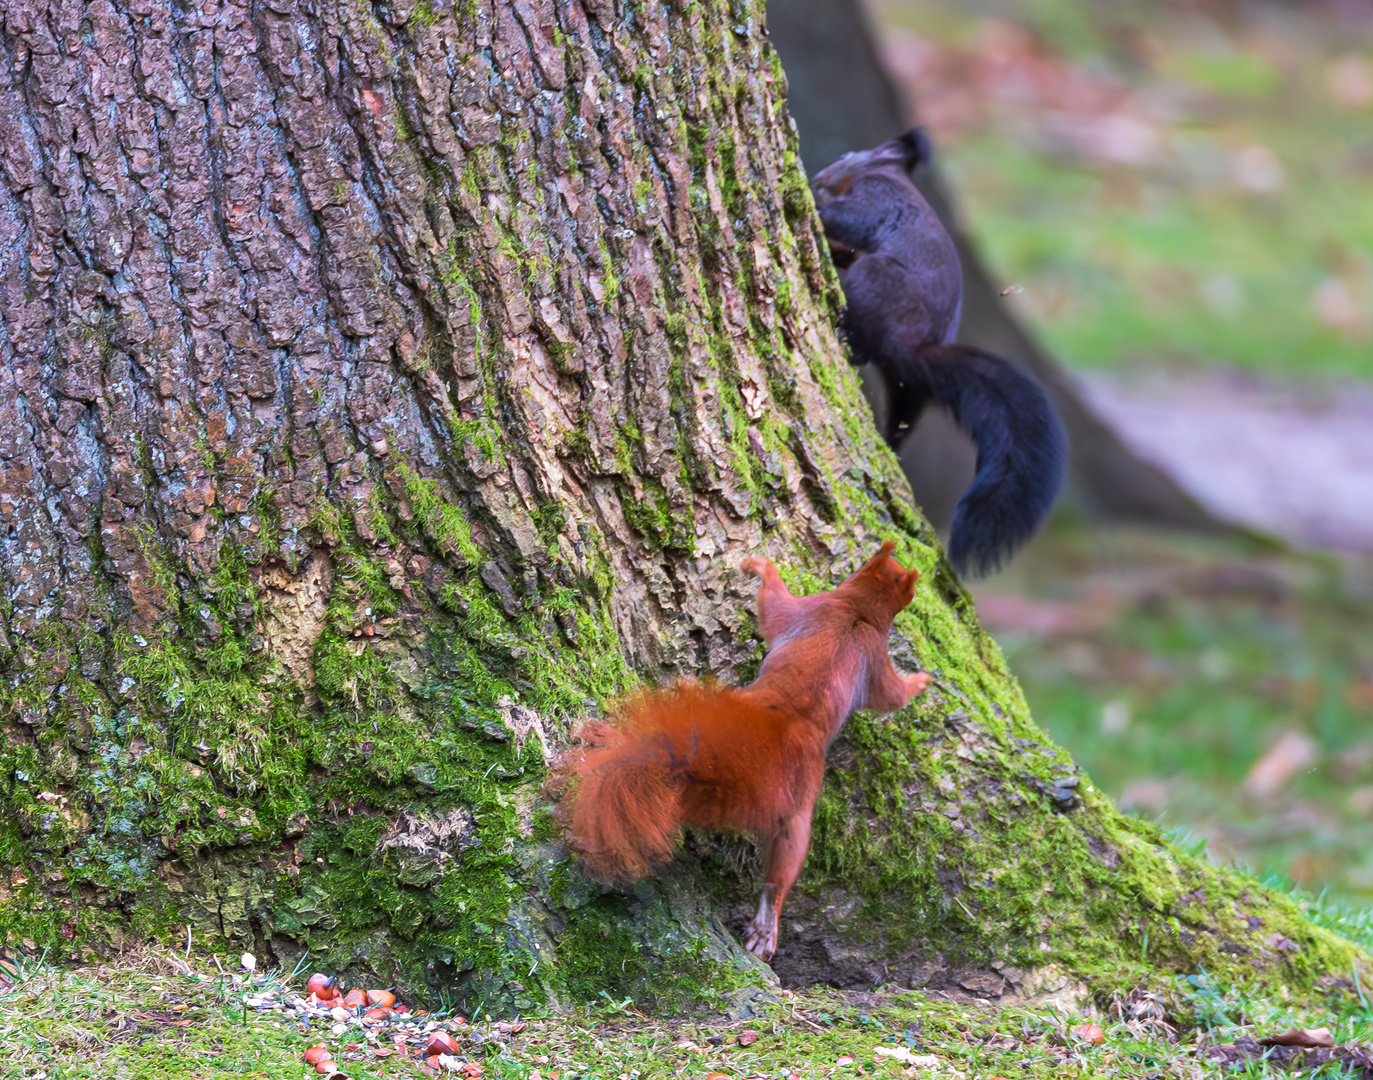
{"points": [[1170, 665], [1168, 259]]}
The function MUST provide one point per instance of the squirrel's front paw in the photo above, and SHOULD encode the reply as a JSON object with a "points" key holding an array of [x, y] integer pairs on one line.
{"points": [[917, 683]]}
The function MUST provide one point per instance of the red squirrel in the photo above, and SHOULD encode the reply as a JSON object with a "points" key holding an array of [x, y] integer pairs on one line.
{"points": [[741, 759], [903, 287]]}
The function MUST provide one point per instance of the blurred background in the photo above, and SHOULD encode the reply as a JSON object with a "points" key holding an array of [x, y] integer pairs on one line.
{"points": [[1179, 196]]}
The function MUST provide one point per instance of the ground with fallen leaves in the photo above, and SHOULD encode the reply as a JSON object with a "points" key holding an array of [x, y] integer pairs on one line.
{"points": [[159, 1013], [1220, 688]]}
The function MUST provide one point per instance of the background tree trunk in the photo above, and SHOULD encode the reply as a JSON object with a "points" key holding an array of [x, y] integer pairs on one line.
{"points": [[384, 387], [842, 99]]}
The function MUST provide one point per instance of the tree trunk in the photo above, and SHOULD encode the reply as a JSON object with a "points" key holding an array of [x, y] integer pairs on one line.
{"points": [[387, 386], [842, 99]]}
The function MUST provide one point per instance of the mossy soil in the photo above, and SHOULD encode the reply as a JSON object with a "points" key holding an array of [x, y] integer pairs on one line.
{"points": [[160, 1012]]}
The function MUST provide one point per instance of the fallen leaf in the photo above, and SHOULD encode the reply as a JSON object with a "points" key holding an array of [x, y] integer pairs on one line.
{"points": [[717, 1076], [747, 1037], [1006, 611], [1349, 81], [845, 1060], [1291, 754], [1090, 1033], [1313, 1037], [382, 1051]]}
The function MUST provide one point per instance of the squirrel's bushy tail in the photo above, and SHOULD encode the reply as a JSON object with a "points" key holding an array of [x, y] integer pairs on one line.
{"points": [[622, 807], [1021, 449]]}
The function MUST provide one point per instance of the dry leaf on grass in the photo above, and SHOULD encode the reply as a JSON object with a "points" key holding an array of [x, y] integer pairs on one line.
{"points": [[1291, 754], [1311, 1037]]}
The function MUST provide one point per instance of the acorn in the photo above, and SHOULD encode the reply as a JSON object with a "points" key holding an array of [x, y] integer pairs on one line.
{"points": [[440, 1042], [326, 1067], [353, 999], [383, 998], [322, 986], [316, 1054], [377, 1013]]}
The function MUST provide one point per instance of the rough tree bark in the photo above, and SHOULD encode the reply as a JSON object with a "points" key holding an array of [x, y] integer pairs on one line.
{"points": [[384, 387], [843, 100]]}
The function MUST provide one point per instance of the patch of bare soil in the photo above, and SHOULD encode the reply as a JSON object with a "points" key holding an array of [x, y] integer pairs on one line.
{"points": [[1296, 462]]}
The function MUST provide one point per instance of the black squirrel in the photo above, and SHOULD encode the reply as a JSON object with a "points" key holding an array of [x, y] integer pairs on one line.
{"points": [[903, 284]]}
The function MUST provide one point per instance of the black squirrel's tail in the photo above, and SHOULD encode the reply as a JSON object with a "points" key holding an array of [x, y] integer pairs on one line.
{"points": [[1021, 447]]}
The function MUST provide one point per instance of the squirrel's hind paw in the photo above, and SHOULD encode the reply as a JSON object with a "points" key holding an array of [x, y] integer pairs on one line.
{"points": [[760, 936]]}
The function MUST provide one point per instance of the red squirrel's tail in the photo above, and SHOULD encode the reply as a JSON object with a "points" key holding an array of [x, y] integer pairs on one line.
{"points": [[623, 806]]}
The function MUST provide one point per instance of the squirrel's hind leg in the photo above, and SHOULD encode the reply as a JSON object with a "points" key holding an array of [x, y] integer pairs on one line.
{"points": [[784, 856]]}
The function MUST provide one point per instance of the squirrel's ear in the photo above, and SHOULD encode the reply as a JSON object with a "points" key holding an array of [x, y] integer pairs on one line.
{"points": [[888, 546], [917, 147]]}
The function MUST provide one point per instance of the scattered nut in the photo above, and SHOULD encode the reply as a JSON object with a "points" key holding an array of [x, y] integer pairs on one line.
{"points": [[353, 999], [1090, 1033], [322, 986], [383, 998], [440, 1042], [316, 1054]]}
